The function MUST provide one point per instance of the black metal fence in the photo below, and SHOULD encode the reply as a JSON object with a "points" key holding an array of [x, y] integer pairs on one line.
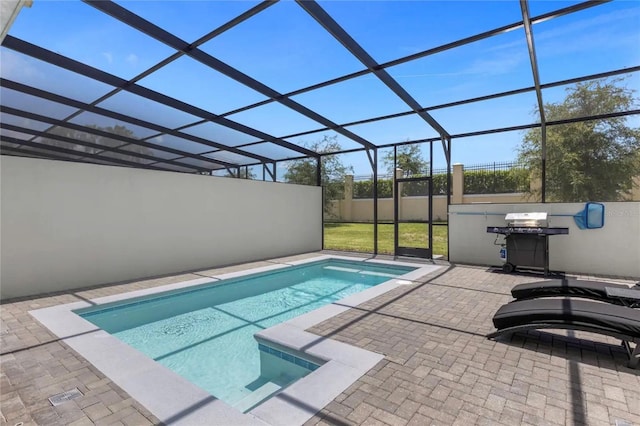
{"points": [[490, 178], [496, 178]]}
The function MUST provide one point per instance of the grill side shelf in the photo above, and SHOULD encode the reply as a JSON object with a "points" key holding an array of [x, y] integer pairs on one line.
{"points": [[526, 230]]}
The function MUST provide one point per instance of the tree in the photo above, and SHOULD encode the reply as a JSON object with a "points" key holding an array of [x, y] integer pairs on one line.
{"points": [[409, 159], [99, 140], [332, 174], [243, 173], [588, 160]]}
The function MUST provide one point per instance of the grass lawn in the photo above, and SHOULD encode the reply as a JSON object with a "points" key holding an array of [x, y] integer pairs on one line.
{"points": [[359, 237]]}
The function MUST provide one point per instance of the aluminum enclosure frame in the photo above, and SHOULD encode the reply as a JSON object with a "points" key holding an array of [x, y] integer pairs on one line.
{"points": [[237, 158]]}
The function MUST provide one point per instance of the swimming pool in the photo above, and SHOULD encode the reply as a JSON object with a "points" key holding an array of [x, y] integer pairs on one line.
{"points": [[206, 333]]}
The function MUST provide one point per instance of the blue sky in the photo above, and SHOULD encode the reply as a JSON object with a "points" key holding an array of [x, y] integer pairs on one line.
{"points": [[286, 49]]}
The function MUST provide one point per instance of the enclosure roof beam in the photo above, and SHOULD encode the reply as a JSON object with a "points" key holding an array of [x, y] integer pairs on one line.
{"points": [[103, 148], [190, 49], [551, 123], [104, 77], [524, 7], [530, 89], [74, 153], [225, 27], [448, 46], [117, 116], [135, 21], [329, 24], [499, 130], [523, 127], [10, 150], [501, 30], [468, 101], [97, 132]]}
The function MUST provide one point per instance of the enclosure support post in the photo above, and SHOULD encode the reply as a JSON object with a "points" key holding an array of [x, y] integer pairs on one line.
{"points": [[395, 203], [375, 201], [319, 183], [526, 20], [543, 175], [448, 158], [430, 200], [265, 170], [318, 171], [449, 145]]}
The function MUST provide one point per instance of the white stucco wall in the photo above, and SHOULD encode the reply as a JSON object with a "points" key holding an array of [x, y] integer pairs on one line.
{"points": [[69, 225], [611, 250]]}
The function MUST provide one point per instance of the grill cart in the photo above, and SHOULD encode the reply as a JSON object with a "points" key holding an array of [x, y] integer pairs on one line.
{"points": [[527, 240]]}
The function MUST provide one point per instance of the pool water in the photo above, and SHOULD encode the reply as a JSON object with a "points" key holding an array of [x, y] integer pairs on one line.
{"points": [[205, 333]]}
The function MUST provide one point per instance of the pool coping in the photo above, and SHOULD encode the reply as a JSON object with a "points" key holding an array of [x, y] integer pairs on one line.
{"points": [[174, 400]]}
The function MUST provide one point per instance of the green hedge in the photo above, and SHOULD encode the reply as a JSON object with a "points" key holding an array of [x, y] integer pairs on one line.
{"points": [[475, 182], [364, 188], [496, 181]]}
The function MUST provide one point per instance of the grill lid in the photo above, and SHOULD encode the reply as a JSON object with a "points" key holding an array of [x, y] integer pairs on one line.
{"points": [[533, 219]]}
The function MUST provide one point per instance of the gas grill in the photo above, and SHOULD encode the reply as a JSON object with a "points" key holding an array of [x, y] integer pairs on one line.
{"points": [[526, 240]]}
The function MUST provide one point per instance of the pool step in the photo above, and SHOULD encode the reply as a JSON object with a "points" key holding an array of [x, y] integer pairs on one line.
{"points": [[257, 396]]}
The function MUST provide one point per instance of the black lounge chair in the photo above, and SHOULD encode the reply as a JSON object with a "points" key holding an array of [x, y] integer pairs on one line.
{"points": [[617, 321], [569, 287]]}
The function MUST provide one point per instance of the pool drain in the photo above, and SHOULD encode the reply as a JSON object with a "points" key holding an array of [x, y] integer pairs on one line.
{"points": [[63, 397]]}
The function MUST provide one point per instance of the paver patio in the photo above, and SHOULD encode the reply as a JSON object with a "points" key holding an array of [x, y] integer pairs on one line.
{"points": [[438, 367]]}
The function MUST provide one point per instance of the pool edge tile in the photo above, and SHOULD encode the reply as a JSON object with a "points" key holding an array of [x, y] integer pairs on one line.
{"points": [[154, 386]]}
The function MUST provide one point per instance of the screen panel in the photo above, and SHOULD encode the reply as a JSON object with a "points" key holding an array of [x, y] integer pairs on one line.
{"points": [[24, 122], [145, 109], [393, 29], [230, 157], [566, 46], [488, 66], [34, 104], [89, 36], [14, 134], [271, 150], [180, 143], [192, 82], [202, 16], [111, 125], [394, 130], [221, 134], [42, 75], [275, 119], [507, 111], [297, 52], [315, 139], [352, 100]]}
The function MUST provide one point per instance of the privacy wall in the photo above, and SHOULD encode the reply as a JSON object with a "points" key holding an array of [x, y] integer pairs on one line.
{"points": [[68, 225], [612, 250]]}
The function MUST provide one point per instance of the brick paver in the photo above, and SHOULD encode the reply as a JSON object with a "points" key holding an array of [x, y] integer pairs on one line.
{"points": [[439, 369], [438, 360]]}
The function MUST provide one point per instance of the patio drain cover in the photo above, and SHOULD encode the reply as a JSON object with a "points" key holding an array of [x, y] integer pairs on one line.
{"points": [[65, 396]]}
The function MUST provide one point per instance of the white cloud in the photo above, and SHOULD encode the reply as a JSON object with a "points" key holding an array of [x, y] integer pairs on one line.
{"points": [[19, 68], [607, 31], [132, 59], [108, 56], [500, 64], [565, 32]]}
